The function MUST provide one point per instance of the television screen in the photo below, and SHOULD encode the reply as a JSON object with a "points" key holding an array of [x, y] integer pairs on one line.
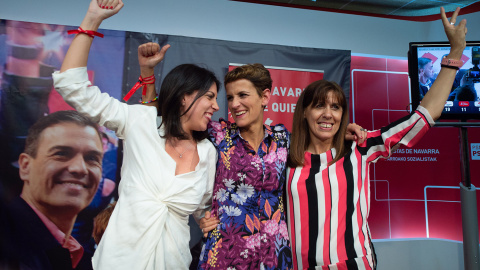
{"points": [[424, 65]]}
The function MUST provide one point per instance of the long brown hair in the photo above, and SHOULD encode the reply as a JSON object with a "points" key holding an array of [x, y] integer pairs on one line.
{"points": [[315, 93]]}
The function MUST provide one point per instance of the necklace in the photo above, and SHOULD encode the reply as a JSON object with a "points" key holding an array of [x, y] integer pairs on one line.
{"points": [[180, 155]]}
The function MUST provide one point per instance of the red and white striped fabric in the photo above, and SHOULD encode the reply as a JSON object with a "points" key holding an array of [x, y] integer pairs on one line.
{"points": [[328, 206]]}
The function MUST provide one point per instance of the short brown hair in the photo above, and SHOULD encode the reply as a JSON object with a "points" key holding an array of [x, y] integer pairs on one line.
{"points": [[315, 93], [257, 74], [33, 137], [100, 222]]}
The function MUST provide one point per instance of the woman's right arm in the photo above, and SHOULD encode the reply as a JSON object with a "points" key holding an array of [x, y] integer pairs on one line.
{"points": [[77, 54], [72, 82]]}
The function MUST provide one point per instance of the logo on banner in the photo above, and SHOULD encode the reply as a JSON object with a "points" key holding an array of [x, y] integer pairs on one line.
{"points": [[475, 150], [288, 84]]}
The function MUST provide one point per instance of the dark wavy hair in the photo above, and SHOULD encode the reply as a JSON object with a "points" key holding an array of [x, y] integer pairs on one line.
{"points": [[182, 80], [316, 93]]}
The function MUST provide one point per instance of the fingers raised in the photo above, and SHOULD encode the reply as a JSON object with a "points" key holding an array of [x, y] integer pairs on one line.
{"points": [[455, 33]]}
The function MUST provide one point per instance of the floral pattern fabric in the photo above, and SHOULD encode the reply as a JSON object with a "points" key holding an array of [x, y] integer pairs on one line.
{"points": [[248, 200]]}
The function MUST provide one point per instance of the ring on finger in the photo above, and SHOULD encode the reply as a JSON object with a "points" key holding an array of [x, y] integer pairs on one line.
{"points": [[362, 129], [452, 23]]}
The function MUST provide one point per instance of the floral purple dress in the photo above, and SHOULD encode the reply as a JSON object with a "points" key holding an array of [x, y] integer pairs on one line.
{"points": [[248, 199]]}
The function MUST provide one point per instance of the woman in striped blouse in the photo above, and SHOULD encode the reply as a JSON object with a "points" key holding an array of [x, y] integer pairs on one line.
{"points": [[328, 187]]}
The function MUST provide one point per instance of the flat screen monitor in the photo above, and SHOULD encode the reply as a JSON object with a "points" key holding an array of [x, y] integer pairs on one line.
{"points": [[423, 67]]}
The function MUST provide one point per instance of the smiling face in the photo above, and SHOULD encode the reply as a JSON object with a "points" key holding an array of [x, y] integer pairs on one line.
{"points": [[324, 120], [66, 170], [200, 114], [245, 104]]}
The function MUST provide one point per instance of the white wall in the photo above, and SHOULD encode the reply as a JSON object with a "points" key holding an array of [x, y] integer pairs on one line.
{"points": [[236, 21]]}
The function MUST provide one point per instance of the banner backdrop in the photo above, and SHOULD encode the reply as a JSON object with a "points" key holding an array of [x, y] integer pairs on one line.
{"points": [[30, 52], [216, 55]]}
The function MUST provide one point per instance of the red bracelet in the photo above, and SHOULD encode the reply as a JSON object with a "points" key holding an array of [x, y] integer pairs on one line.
{"points": [[89, 33], [141, 82]]}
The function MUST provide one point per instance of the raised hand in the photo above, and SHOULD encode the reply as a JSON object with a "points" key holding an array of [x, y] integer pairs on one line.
{"points": [[100, 10], [434, 100], [455, 33], [77, 54], [149, 55]]}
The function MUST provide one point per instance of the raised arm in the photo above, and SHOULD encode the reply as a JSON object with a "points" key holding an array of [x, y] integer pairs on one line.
{"points": [[435, 99], [149, 55], [77, 54]]}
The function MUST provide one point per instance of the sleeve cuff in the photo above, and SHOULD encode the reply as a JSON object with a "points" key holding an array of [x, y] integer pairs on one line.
{"points": [[427, 115], [70, 76]]}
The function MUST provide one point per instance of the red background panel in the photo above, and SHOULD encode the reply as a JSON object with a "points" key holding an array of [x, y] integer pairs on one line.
{"points": [[407, 219], [443, 220], [381, 95]]}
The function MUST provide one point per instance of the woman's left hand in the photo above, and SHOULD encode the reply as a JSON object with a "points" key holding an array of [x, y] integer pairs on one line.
{"points": [[355, 133], [455, 33], [208, 223], [150, 54]]}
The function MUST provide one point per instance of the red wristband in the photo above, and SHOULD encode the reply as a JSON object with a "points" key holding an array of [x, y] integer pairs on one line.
{"points": [[141, 82], [89, 33]]}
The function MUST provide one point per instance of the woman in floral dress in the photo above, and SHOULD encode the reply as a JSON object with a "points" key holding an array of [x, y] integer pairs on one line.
{"points": [[248, 191]]}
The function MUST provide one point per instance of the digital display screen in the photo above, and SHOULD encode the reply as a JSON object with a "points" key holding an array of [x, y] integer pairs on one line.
{"points": [[424, 65]]}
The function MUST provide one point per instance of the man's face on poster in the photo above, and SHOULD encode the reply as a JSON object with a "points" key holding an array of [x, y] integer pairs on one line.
{"points": [[66, 171], [427, 71]]}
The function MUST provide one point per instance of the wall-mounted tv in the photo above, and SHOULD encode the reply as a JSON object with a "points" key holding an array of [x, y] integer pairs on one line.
{"points": [[423, 67]]}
